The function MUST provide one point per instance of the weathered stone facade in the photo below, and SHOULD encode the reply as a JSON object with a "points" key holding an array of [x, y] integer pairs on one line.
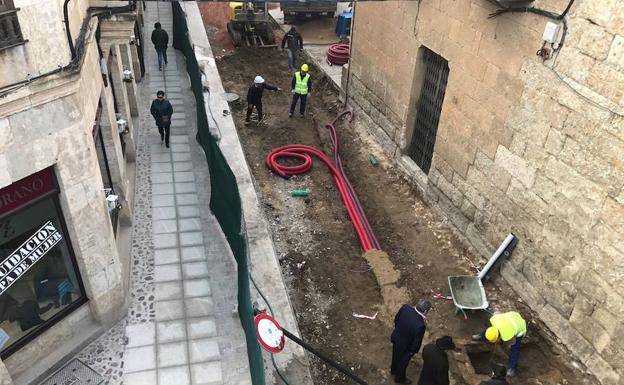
{"points": [[523, 145], [50, 122]]}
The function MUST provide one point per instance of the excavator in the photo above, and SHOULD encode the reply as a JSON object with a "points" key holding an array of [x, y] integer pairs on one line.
{"points": [[249, 25]]}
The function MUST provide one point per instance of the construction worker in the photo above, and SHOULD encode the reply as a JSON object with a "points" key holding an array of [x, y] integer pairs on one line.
{"points": [[499, 372], [293, 42], [301, 88], [509, 328], [254, 96], [407, 336]]}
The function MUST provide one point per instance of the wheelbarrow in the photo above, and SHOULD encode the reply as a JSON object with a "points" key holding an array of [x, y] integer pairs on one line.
{"points": [[467, 292]]}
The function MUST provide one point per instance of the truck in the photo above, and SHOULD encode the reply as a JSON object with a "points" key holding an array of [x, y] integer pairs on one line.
{"points": [[300, 10]]}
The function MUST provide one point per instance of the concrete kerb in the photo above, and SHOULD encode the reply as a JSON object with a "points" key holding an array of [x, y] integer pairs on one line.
{"points": [[264, 263]]}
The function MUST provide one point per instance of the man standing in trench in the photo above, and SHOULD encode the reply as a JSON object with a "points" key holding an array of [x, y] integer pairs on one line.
{"points": [[407, 336]]}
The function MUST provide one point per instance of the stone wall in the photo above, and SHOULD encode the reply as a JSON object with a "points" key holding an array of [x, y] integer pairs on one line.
{"points": [[523, 145], [50, 123], [36, 56]]}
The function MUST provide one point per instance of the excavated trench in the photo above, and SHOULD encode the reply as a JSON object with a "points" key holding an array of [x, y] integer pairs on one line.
{"points": [[328, 277]]}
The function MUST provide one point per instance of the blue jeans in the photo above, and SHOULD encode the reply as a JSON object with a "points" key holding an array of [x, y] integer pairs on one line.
{"points": [[514, 353], [302, 106], [162, 56], [291, 59]]}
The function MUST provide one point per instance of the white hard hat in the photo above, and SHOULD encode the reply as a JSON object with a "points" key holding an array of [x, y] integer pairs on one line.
{"points": [[259, 79]]}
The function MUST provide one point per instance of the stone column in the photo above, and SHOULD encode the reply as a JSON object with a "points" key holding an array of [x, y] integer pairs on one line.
{"points": [[127, 63], [122, 98], [116, 160]]}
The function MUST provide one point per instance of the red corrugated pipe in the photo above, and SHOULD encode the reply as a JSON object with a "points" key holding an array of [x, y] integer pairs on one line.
{"points": [[338, 54], [303, 152]]}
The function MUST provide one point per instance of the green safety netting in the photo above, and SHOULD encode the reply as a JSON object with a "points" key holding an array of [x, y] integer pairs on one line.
{"points": [[224, 198]]}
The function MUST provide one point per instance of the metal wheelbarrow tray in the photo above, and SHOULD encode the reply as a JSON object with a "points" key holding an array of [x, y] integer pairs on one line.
{"points": [[467, 293]]}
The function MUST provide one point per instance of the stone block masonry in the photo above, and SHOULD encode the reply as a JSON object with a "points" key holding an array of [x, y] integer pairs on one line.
{"points": [[522, 145]]}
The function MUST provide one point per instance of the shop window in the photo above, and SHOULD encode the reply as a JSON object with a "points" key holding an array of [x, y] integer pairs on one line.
{"points": [[39, 280]]}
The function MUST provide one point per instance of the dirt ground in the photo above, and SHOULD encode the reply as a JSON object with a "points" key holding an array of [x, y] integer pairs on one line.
{"points": [[327, 278]]}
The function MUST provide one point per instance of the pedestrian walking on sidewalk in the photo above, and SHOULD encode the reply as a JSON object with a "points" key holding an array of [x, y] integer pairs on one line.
{"points": [[407, 336], [499, 372], [254, 97], [435, 369], [162, 110], [160, 38], [301, 88], [293, 42], [509, 328]]}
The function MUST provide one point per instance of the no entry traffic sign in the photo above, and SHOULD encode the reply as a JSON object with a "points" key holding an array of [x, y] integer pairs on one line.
{"points": [[269, 333]]}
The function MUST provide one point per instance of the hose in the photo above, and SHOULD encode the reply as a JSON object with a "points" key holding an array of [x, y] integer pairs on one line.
{"points": [[304, 153], [338, 54]]}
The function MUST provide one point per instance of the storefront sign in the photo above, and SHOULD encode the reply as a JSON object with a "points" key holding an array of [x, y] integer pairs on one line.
{"points": [[28, 254], [25, 190]]}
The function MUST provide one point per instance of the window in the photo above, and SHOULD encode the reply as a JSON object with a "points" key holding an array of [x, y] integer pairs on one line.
{"points": [[429, 109], [39, 283], [10, 31]]}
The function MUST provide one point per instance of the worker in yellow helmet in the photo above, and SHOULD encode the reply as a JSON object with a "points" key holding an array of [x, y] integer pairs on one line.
{"points": [[509, 328], [301, 87]]}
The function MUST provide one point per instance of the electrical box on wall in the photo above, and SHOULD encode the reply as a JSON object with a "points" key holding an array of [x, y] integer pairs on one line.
{"points": [[551, 32]]}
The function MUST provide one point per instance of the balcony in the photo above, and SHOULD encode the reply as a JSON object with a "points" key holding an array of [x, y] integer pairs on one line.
{"points": [[10, 32]]}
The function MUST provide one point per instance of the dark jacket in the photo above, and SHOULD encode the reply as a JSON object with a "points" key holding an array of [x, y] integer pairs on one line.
{"points": [[254, 94], [293, 41], [160, 38], [161, 108], [435, 366], [495, 381], [294, 81], [409, 329]]}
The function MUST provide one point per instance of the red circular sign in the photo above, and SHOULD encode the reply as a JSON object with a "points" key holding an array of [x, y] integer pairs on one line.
{"points": [[269, 333]]}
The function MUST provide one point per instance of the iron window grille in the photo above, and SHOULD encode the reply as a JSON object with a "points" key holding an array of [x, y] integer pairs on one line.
{"points": [[10, 31], [429, 109]]}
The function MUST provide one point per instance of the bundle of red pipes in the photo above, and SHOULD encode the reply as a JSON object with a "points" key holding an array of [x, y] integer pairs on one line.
{"points": [[304, 153], [338, 54]]}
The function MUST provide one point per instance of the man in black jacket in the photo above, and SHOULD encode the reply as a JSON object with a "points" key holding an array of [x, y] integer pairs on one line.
{"points": [[409, 329], [435, 370], [293, 41], [254, 97], [499, 372], [160, 38], [162, 110]]}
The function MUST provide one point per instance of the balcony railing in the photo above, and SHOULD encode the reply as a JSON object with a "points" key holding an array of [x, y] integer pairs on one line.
{"points": [[10, 32]]}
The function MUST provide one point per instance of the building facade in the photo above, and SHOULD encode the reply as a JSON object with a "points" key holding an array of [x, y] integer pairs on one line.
{"points": [[512, 122], [67, 105]]}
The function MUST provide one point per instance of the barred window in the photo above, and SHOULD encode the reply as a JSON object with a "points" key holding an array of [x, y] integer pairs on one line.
{"points": [[10, 31]]}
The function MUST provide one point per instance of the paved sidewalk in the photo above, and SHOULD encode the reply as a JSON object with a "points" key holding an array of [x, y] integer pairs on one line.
{"points": [[181, 327]]}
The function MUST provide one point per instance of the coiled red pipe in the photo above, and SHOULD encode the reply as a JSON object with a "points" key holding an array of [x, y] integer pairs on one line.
{"points": [[304, 153], [338, 54]]}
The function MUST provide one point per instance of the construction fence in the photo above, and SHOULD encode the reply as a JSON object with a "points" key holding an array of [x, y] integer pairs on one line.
{"points": [[224, 198]]}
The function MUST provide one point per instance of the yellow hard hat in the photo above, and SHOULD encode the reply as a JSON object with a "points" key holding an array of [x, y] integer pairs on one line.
{"points": [[491, 334], [304, 68]]}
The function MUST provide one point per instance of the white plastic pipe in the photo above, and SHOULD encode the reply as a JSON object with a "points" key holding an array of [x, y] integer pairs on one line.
{"points": [[496, 255]]}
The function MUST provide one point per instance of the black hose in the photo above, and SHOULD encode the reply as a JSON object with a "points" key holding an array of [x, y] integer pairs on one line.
{"points": [[70, 41], [76, 51]]}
